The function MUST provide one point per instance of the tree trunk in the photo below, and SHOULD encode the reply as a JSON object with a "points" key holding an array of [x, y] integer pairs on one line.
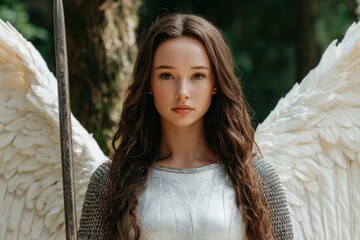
{"points": [[101, 50], [305, 39]]}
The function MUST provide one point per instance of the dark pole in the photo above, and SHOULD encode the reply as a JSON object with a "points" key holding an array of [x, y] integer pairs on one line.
{"points": [[64, 120]]}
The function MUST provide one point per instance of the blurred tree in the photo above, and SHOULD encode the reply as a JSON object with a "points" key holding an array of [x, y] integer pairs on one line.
{"points": [[305, 37], [101, 50]]}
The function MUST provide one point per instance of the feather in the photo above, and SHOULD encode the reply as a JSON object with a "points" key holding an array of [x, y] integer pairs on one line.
{"points": [[22, 141], [3, 230], [8, 153], [5, 208], [32, 193], [3, 187], [16, 213], [6, 138], [37, 227], [16, 125], [26, 221]]}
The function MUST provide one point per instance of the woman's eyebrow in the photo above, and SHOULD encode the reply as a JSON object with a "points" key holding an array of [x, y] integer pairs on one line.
{"points": [[200, 67], [164, 67], [171, 67]]}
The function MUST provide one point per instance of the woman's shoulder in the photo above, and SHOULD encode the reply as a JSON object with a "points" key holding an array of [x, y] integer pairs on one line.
{"points": [[275, 197], [268, 178], [265, 170], [91, 220], [100, 176]]}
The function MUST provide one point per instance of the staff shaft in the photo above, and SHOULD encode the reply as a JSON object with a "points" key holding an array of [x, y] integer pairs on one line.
{"points": [[64, 120]]}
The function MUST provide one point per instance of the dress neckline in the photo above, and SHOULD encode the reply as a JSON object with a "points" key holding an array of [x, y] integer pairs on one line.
{"points": [[187, 170]]}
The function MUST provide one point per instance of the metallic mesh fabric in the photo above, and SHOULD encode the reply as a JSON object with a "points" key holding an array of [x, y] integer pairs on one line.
{"points": [[195, 203]]}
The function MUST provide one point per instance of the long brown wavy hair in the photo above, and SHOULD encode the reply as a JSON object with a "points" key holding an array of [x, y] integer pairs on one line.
{"points": [[228, 132]]}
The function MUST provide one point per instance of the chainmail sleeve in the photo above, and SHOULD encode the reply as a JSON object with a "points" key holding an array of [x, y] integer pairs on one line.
{"points": [[275, 196], [90, 221]]}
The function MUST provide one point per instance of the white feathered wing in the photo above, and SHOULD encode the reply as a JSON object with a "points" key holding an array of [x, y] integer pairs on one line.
{"points": [[312, 138], [31, 195]]}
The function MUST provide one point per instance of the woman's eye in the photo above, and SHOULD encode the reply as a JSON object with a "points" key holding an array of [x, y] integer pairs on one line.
{"points": [[165, 76], [199, 76]]}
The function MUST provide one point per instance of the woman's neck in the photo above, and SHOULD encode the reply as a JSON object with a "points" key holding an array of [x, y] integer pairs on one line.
{"points": [[184, 147]]}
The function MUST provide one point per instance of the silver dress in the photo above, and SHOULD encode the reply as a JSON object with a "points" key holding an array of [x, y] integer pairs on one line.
{"points": [[185, 204], [196, 203]]}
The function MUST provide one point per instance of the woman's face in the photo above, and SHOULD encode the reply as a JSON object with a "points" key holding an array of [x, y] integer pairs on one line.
{"points": [[182, 81]]}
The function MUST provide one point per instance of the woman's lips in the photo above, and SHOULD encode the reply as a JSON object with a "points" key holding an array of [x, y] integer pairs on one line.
{"points": [[182, 109]]}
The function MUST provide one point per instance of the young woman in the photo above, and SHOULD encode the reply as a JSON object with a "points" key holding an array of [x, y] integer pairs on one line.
{"points": [[185, 163]]}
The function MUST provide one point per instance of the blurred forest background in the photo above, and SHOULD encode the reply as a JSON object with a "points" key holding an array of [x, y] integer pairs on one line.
{"points": [[275, 43]]}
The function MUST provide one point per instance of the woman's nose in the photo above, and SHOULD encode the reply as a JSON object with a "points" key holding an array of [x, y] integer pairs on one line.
{"points": [[182, 91]]}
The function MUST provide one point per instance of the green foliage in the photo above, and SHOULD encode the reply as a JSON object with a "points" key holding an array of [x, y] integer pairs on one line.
{"points": [[19, 15], [16, 13], [334, 17]]}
